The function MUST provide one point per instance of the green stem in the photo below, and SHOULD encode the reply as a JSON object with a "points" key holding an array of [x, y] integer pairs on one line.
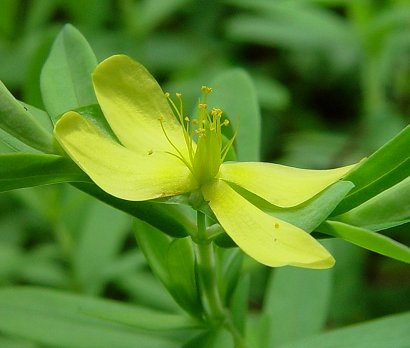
{"points": [[210, 295], [211, 298]]}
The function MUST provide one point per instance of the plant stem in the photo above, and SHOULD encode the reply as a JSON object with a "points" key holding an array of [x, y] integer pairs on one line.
{"points": [[210, 295], [211, 298]]}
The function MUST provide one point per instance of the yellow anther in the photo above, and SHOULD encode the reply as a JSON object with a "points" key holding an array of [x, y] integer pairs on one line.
{"points": [[202, 106], [195, 121], [225, 122], [216, 112], [200, 131], [206, 89], [167, 95], [161, 119], [186, 119], [178, 95]]}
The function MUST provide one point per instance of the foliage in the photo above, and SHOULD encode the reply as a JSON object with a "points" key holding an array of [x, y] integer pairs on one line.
{"points": [[313, 83]]}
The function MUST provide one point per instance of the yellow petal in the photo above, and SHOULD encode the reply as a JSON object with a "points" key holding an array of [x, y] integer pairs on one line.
{"points": [[281, 185], [268, 240], [133, 103], [118, 170]]}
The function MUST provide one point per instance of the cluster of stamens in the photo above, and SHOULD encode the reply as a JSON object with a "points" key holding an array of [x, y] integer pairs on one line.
{"points": [[206, 155]]}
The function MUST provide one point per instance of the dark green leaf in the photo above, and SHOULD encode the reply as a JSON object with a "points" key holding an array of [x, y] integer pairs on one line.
{"points": [[66, 75], [172, 219], [385, 168], [26, 170]]}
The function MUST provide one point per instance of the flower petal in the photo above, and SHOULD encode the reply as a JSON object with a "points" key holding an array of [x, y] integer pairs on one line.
{"points": [[268, 240], [133, 102], [118, 170], [281, 185]]}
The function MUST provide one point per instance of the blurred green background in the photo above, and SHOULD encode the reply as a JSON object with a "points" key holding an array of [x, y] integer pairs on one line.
{"points": [[333, 82]]}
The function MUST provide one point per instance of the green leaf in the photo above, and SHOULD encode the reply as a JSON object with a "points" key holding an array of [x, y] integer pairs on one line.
{"points": [[382, 170], [68, 320], [289, 25], [101, 236], [182, 278], [310, 214], [154, 244], [235, 94], [367, 239], [66, 76], [171, 219], [391, 331], [18, 122], [239, 303], [167, 259], [296, 302], [388, 209], [214, 338], [230, 262], [26, 170]]}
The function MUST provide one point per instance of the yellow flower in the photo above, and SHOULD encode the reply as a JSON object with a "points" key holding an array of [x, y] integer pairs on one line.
{"points": [[157, 157]]}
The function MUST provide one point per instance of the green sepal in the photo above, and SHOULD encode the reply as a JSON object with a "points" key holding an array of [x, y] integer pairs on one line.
{"points": [[65, 79]]}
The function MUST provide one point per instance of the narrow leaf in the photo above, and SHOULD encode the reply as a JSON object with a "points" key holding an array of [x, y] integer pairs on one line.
{"points": [[388, 209], [385, 168], [367, 239], [182, 278], [68, 320], [26, 170]]}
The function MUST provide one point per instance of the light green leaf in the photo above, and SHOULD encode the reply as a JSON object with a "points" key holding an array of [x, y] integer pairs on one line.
{"points": [[240, 302], [391, 331], [367, 239], [215, 338], [66, 76], [154, 244], [385, 168], [388, 209], [101, 236], [68, 320], [289, 25], [26, 170], [235, 94], [182, 277], [296, 302], [228, 273], [18, 122], [309, 214]]}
